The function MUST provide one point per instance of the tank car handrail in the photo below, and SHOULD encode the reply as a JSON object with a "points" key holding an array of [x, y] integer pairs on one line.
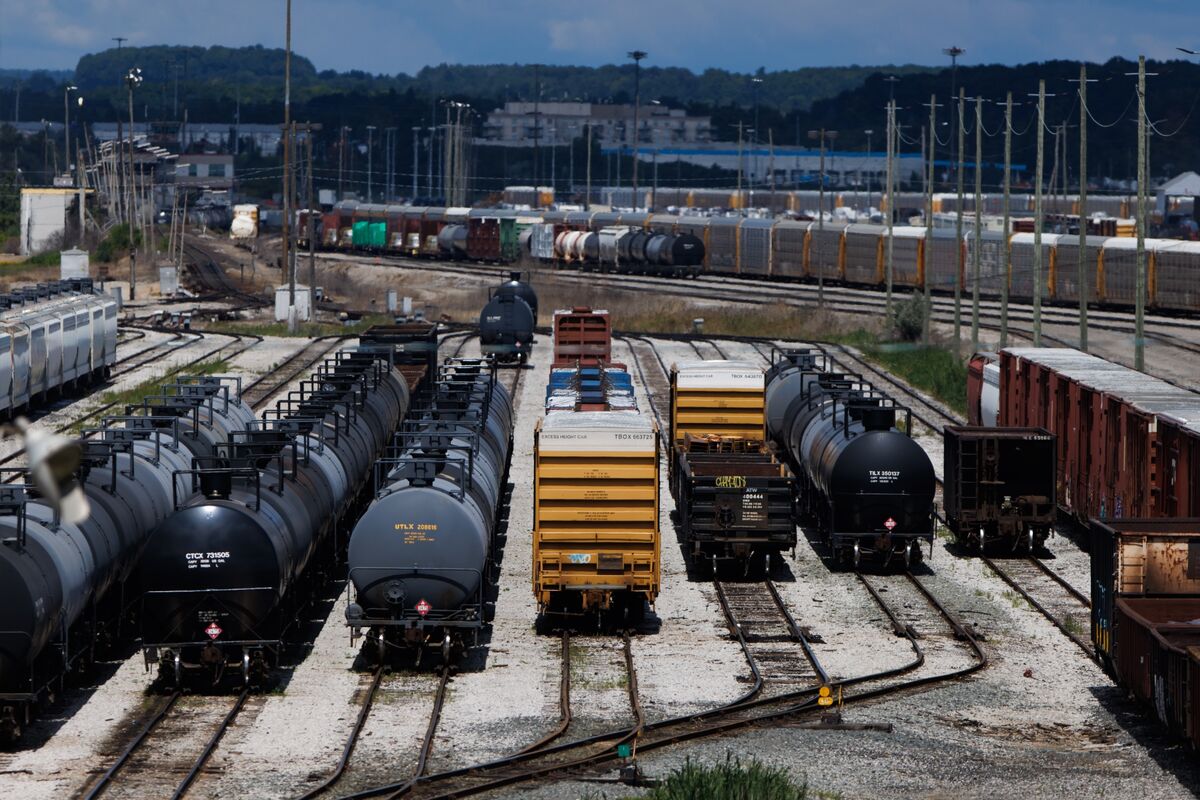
{"points": [[13, 498], [291, 406], [463, 484], [194, 473], [314, 423], [300, 452], [283, 424], [134, 427], [278, 456]]}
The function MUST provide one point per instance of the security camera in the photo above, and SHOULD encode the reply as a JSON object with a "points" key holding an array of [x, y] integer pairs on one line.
{"points": [[53, 460]]}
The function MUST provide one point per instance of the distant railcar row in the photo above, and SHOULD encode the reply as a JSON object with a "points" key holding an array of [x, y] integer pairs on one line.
{"points": [[807, 201], [54, 338], [851, 254]]}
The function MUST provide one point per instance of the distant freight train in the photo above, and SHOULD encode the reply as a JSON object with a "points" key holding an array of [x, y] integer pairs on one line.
{"points": [[851, 254]]}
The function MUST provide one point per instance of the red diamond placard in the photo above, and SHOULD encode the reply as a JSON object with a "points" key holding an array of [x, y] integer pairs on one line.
{"points": [[213, 630], [423, 607], [890, 524]]}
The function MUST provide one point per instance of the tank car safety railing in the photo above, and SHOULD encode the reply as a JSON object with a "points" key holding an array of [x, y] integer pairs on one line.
{"points": [[182, 405], [308, 429], [228, 453], [260, 442], [437, 432], [110, 448], [864, 403], [302, 407], [305, 426], [351, 388], [197, 475], [227, 387], [13, 497], [423, 470], [138, 427], [464, 616]]}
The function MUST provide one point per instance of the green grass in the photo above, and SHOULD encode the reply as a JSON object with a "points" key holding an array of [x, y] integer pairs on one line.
{"points": [[50, 258], [305, 330], [933, 370], [732, 779], [1014, 599], [1073, 626], [134, 394]]}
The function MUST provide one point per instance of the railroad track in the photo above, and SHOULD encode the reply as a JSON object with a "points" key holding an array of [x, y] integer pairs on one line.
{"points": [[860, 300], [138, 769], [550, 757], [758, 617], [212, 278], [263, 388], [1050, 594]]}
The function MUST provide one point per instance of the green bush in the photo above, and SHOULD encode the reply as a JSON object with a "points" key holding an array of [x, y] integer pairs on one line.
{"points": [[909, 318], [117, 243], [731, 780]]}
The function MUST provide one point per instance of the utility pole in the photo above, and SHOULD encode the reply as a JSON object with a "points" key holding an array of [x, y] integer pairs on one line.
{"points": [[754, 139], [312, 224], [133, 79], [1037, 218], [120, 40], [370, 157], [1082, 279], [1139, 342], [1007, 235], [739, 178], [416, 131], [637, 56], [958, 233], [287, 164], [587, 200], [821, 134], [975, 265], [537, 132], [891, 199], [67, 125], [927, 261], [341, 160], [954, 51]]}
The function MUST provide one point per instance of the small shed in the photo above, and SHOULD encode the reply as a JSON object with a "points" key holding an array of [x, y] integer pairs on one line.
{"points": [[1186, 184]]}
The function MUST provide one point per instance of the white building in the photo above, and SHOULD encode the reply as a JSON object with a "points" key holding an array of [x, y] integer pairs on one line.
{"points": [[513, 125], [44, 218]]}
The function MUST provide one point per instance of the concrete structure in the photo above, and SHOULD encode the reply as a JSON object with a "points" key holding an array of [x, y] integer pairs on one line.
{"points": [[44, 217], [73, 264], [207, 170], [513, 125]]}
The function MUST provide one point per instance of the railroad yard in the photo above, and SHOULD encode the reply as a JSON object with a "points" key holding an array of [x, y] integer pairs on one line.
{"points": [[964, 677]]}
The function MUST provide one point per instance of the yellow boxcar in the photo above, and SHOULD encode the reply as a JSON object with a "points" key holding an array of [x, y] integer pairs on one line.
{"points": [[595, 512], [717, 398]]}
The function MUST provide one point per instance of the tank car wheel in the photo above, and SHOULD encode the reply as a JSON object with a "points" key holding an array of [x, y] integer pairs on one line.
{"points": [[381, 647], [446, 650], [1031, 542], [857, 556], [178, 664], [245, 669], [908, 554], [982, 541]]}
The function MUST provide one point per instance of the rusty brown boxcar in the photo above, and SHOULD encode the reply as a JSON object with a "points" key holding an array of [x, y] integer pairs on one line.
{"points": [[1145, 604], [1125, 440], [999, 486]]}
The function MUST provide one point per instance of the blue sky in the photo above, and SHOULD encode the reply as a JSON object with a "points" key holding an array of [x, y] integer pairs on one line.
{"points": [[404, 35]]}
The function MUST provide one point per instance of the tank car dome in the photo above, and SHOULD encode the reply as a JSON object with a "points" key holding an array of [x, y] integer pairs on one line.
{"points": [[519, 288]]}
